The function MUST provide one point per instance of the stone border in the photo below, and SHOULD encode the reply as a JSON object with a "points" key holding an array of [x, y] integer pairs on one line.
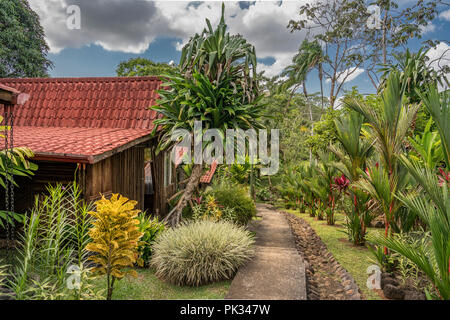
{"points": [[348, 282]]}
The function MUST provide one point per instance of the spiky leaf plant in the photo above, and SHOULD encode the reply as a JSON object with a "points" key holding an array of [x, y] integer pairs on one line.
{"points": [[432, 204], [16, 159], [201, 252], [388, 128], [53, 238], [353, 151], [115, 238]]}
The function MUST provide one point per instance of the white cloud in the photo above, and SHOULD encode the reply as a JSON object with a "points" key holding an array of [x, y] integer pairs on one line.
{"points": [[440, 57], [131, 25], [428, 28], [116, 25], [348, 75], [445, 15], [263, 24]]}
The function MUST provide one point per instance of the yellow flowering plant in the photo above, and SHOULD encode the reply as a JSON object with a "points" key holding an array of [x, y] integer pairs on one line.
{"points": [[115, 238]]}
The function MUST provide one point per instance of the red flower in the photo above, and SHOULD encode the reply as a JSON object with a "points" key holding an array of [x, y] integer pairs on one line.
{"points": [[444, 177], [341, 183], [198, 199], [368, 171]]}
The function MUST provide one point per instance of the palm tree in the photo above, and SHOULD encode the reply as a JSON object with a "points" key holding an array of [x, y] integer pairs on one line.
{"points": [[438, 104], [309, 56], [353, 152], [389, 125], [432, 204], [354, 149], [430, 201], [416, 73], [216, 85]]}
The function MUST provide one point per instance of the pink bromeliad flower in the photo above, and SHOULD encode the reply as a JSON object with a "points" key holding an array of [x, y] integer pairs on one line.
{"points": [[198, 200], [341, 183], [444, 177]]}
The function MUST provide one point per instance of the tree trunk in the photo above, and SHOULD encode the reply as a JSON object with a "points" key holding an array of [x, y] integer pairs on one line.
{"points": [[310, 117], [321, 84], [252, 182], [384, 38], [110, 287], [193, 183]]}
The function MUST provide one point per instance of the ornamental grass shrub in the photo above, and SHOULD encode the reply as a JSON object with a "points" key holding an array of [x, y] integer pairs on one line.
{"points": [[235, 197], [201, 252]]}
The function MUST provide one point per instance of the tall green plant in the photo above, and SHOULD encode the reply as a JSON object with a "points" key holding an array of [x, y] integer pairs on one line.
{"points": [[218, 55], [427, 147], [432, 204], [438, 104], [353, 152], [217, 86], [389, 125], [52, 239]]}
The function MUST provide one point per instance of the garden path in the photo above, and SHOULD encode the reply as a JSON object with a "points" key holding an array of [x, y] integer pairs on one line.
{"points": [[277, 272]]}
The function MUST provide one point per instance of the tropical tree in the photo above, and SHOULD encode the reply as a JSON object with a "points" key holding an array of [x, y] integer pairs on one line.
{"points": [[438, 104], [415, 73], [427, 147], [389, 125], [23, 50], [342, 39], [432, 205], [218, 55], [308, 57], [353, 152], [348, 43], [142, 67], [216, 85]]}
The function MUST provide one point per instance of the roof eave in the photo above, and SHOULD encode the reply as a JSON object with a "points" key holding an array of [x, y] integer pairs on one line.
{"points": [[88, 159], [10, 95]]}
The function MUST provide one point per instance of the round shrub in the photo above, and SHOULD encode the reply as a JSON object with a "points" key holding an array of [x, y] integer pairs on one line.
{"points": [[201, 252], [235, 197]]}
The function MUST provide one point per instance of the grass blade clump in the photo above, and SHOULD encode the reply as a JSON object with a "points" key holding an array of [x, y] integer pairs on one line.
{"points": [[201, 252]]}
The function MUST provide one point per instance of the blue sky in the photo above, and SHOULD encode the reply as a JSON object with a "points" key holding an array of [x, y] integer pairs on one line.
{"points": [[116, 30]]}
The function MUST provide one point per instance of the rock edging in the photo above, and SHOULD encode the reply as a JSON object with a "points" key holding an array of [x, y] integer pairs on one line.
{"points": [[350, 288]]}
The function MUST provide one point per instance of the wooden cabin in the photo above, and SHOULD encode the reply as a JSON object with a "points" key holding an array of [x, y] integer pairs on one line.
{"points": [[94, 130]]}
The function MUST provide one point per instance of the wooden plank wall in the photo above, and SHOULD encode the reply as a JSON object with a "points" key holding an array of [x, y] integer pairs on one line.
{"points": [[47, 173], [121, 173]]}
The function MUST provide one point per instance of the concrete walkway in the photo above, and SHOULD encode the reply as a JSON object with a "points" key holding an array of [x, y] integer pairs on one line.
{"points": [[277, 271]]}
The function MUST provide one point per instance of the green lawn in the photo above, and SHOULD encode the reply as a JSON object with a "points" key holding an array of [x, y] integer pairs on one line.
{"points": [[148, 287], [354, 259]]}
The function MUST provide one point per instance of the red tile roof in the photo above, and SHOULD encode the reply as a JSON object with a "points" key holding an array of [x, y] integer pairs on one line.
{"points": [[83, 118], [207, 177], [88, 145]]}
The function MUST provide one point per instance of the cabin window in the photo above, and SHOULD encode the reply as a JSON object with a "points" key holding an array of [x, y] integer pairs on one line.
{"points": [[167, 169]]}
